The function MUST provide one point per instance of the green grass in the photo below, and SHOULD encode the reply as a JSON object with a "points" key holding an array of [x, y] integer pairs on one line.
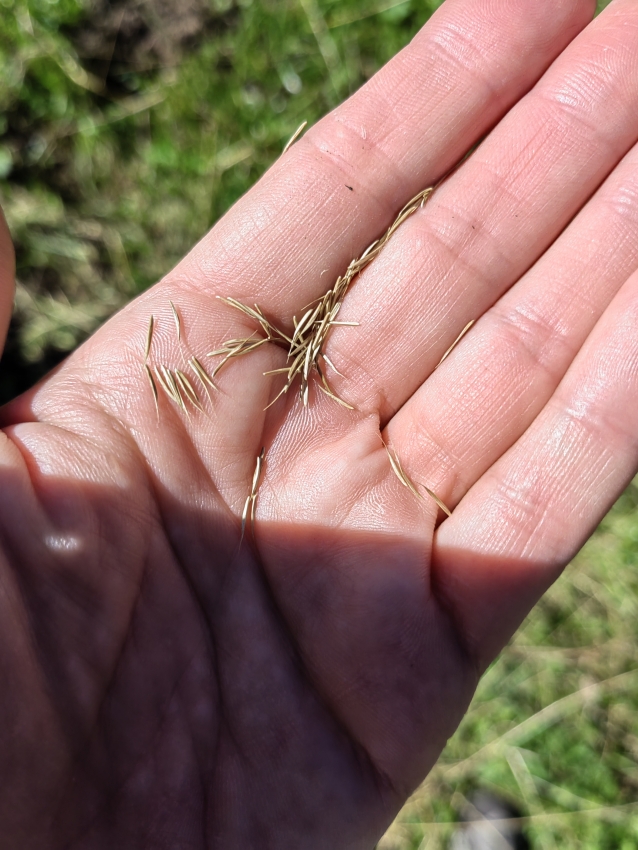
{"points": [[106, 186], [554, 725], [110, 171]]}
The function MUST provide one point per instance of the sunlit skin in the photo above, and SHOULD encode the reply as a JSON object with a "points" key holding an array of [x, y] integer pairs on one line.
{"points": [[164, 686]]}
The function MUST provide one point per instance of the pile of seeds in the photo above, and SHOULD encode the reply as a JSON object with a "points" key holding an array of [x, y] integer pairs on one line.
{"points": [[305, 351], [306, 346]]}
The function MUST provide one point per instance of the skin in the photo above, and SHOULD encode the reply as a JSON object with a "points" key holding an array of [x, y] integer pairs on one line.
{"points": [[164, 686]]}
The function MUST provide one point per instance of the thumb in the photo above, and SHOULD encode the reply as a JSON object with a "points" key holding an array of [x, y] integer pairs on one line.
{"points": [[7, 279]]}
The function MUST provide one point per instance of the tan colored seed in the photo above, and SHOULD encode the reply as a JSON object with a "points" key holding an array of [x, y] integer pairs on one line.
{"points": [[176, 389], [162, 382], [249, 504], [177, 320], [294, 137], [438, 501], [202, 374], [400, 473], [455, 343], [151, 381], [149, 337], [188, 389], [170, 386]]}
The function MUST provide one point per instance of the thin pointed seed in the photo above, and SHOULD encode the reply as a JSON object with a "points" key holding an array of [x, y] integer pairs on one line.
{"points": [[398, 470], [306, 320], [295, 365], [151, 381], [248, 311], [252, 346], [455, 343], [276, 371], [281, 392], [176, 390], [332, 365], [408, 481], [307, 363], [324, 381], [230, 343], [178, 323], [229, 346], [177, 395], [149, 337], [368, 249], [257, 472], [202, 374], [220, 366], [400, 473], [189, 389], [438, 501], [256, 314], [238, 351], [252, 517], [294, 137], [426, 194], [396, 467], [335, 397], [244, 516], [249, 504], [163, 383]]}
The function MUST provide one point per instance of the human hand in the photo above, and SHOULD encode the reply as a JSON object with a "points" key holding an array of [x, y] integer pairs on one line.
{"points": [[164, 686]]}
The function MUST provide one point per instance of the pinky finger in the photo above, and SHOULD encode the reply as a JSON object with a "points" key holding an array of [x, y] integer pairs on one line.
{"points": [[529, 514]]}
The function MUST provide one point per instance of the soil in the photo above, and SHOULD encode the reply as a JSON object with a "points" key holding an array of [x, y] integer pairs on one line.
{"points": [[120, 38]]}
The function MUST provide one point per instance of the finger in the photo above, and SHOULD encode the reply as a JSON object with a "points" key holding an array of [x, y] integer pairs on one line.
{"points": [[529, 514], [497, 381], [7, 279], [492, 219]]}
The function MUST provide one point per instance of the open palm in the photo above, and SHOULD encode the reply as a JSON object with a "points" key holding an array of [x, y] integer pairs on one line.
{"points": [[168, 685]]}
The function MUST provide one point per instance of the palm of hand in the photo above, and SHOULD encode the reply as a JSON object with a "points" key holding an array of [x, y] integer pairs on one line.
{"points": [[184, 690]]}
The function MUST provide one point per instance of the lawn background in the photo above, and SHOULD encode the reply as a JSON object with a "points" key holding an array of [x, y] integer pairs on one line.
{"points": [[126, 130]]}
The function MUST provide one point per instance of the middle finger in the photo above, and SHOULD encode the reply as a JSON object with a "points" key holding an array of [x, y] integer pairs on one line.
{"points": [[491, 220]]}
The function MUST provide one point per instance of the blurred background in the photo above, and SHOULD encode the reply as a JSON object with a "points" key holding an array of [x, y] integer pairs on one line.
{"points": [[126, 129]]}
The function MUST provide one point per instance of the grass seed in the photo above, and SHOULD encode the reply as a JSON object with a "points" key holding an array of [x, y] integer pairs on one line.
{"points": [[149, 337], [294, 137]]}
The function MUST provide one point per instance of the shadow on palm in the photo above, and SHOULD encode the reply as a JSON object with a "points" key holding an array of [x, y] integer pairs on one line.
{"points": [[274, 694]]}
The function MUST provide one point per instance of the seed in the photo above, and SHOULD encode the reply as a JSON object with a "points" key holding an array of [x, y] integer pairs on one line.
{"points": [[151, 381], [178, 323], [202, 374], [249, 504], [400, 473], [149, 337], [188, 388], [294, 137], [455, 343]]}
